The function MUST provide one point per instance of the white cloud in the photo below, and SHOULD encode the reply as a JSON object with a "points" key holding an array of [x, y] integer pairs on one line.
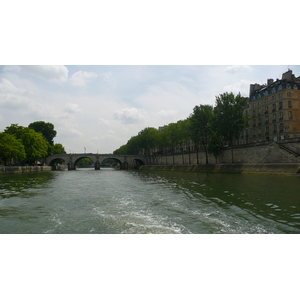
{"points": [[237, 69], [81, 78], [167, 113], [72, 108], [13, 97], [239, 87], [56, 74], [107, 77], [130, 115]]}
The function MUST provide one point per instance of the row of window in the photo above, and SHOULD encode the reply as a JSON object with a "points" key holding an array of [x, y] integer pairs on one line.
{"points": [[266, 111], [258, 132], [273, 98], [266, 119]]}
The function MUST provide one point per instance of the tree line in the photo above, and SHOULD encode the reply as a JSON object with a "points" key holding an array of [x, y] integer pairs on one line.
{"points": [[208, 127], [26, 145]]}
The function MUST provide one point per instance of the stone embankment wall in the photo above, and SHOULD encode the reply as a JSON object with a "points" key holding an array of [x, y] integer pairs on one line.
{"points": [[283, 168], [264, 157], [253, 154], [23, 169]]}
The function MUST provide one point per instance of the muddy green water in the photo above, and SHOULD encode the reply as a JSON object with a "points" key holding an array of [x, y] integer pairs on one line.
{"points": [[113, 202]]}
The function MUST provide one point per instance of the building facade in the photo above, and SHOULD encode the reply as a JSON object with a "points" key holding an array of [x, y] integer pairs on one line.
{"points": [[273, 110]]}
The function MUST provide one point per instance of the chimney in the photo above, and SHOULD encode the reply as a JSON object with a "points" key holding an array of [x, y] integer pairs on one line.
{"points": [[253, 88], [288, 75], [270, 81]]}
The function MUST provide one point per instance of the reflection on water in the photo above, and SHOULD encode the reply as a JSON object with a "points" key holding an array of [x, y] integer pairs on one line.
{"points": [[114, 201]]}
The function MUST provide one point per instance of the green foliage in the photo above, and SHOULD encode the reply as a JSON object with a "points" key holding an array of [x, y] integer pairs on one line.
{"points": [[58, 149], [85, 163], [11, 149], [47, 129], [122, 150], [148, 139], [229, 115], [35, 145], [200, 126], [229, 119]]}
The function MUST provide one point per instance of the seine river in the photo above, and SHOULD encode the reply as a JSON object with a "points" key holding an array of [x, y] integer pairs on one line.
{"points": [[113, 201]]}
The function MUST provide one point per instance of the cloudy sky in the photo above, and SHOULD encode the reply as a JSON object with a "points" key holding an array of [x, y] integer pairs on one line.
{"points": [[101, 107]]}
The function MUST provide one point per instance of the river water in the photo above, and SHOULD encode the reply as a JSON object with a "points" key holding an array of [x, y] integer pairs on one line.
{"points": [[118, 201]]}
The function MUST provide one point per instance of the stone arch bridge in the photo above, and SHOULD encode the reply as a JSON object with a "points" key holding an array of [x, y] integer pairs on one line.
{"points": [[124, 161]]}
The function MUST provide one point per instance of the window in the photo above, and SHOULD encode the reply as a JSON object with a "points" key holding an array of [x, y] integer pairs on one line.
{"points": [[258, 103], [280, 96], [254, 123], [274, 107], [274, 128], [254, 105], [267, 130], [266, 109], [254, 113], [281, 115], [289, 104], [281, 127], [259, 112], [290, 115], [267, 120], [280, 105], [266, 101], [289, 94], [273, 98], [274, 117]]}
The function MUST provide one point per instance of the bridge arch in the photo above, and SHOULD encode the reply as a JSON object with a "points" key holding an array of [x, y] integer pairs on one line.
{"points": [[56, 162], [92, 158], [118, 161], [138, 162]]}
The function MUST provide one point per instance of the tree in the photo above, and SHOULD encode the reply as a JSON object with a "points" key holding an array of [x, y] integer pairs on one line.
{"points": [[121, 151], [11, 149], [229, 117], [183, 132], [200, 125], [172, 134], [148, 140], [35, 145], [58, 149], [47, 129]]}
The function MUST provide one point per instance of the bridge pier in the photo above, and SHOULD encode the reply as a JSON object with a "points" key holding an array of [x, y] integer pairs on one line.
{"points": [[124, 166], [71, 166], [97, 165]]}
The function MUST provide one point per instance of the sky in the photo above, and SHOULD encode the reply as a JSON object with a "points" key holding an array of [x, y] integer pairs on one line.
{"points": [[97, 108]]}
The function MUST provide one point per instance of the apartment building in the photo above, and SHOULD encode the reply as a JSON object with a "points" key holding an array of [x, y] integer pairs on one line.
{"points": [[273, 110]]}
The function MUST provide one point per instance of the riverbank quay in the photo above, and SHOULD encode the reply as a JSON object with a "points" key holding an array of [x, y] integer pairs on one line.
{"points": [[22, 169], [268, 168]]}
